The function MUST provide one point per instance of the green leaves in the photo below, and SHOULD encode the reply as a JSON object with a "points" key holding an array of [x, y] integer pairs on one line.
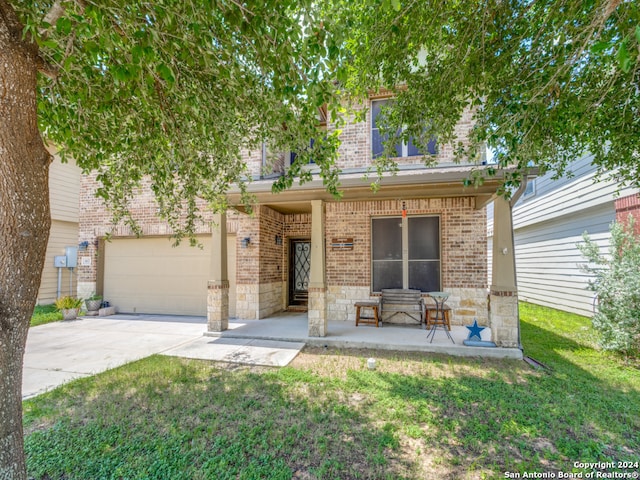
{"points": [[166, 73], [623, 57], [173, 93], [545, 81]]}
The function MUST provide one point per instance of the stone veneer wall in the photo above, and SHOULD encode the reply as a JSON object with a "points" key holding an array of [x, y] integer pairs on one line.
{"points": [[256, 301], [504, 318], [467, 304]]}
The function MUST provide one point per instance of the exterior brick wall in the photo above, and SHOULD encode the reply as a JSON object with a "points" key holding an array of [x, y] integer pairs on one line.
{"points": [[463, 254], [271, 253], [629, 206], [463, 242], [262, 267], [355, 149]]}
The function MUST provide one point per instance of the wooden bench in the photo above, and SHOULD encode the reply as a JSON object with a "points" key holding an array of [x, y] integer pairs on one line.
{"points": [[398, 300]]}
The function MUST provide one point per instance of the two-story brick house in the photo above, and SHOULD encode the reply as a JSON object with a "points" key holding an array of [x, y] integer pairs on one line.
{"points": [[304, 250]]}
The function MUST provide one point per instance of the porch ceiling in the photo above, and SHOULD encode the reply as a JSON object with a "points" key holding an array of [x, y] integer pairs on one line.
{"points": [[415, 183]]}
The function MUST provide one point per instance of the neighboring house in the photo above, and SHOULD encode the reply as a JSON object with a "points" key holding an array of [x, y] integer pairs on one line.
{"points": [[304, 250], [549, 221], [64, 188]]}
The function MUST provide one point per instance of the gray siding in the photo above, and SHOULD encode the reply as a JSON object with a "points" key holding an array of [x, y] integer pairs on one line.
{"points": [[547, 259], [547, 227]]}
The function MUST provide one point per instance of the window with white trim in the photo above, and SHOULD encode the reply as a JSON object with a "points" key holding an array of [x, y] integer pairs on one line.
{"points": [[405, 253], [530, 189], [403, 149]]}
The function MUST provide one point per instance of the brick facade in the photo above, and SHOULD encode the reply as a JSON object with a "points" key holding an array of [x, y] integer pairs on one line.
{"points": [[629, 206], [463, 253], [262, 266], [355, 147]]}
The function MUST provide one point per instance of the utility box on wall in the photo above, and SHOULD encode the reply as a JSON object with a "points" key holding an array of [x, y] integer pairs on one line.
{"points": [[72, 256], [60, 261]]}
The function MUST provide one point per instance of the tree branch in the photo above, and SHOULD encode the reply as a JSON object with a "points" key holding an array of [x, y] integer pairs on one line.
{"points": [[9, 18], [56, 11]]}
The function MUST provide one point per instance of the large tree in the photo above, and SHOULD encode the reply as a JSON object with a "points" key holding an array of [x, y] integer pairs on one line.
{"points": [[548, 80], [170, 91], [173, 90]]}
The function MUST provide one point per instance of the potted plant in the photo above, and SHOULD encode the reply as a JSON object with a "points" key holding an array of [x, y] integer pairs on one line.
{"points": [[93, 303], [69, 306]]}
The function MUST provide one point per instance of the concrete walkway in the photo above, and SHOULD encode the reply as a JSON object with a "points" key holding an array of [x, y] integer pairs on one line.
{"points": [[62, 351]]}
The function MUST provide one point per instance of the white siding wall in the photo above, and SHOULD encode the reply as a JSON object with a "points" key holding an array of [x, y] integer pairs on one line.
{"points": [[547, 259], [64, 188], [547, 227]]}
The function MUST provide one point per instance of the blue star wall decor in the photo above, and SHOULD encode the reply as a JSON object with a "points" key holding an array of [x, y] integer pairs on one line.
{"points": [[474, 330]]}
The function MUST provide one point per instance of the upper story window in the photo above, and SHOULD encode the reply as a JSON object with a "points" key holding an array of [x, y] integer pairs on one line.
{"points": [[403, 149], [530, 189]]}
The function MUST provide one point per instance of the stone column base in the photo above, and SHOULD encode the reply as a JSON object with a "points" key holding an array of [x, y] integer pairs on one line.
{"points": [[504, 317], [317, 314], [218, 306]]}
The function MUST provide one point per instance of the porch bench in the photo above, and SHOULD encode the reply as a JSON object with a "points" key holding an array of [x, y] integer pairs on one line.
{"points": [[400, 300]]}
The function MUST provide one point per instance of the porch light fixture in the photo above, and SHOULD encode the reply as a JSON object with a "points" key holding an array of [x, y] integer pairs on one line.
{"points": [[278, 240], [245, 242]]}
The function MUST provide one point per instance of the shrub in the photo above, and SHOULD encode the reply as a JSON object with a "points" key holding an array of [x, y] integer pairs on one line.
{"points": [[617, 286], [68, 303]]}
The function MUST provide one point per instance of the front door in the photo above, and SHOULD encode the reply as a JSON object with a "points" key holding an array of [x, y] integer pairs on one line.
{"points": [[299, 268]]}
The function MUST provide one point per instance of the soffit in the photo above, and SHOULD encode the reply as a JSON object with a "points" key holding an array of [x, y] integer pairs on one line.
{"points": [[419, 183]]}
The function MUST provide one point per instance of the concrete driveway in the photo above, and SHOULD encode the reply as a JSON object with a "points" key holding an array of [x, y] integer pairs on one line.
{"points": [[62, 351]]}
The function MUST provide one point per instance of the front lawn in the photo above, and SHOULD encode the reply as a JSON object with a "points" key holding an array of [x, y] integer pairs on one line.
{"points": [[327, 416], [45, 314]]}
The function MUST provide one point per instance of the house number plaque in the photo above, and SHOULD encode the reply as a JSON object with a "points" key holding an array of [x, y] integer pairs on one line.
{"points": [[342, 243]]}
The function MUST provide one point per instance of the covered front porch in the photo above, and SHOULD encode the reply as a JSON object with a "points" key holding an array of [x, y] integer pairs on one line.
{"points": [[350, 256], [293, 327]]}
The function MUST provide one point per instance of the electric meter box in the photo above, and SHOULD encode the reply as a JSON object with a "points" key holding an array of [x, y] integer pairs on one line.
{"points": [[72, 256], [60, 261]]}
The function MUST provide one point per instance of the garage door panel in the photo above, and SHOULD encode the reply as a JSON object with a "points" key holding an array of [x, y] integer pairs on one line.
{"points": [[149, 275]]}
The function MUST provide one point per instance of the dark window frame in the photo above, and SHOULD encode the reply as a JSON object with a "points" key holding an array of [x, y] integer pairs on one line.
{"points": [[405, 259], [404, 150]]}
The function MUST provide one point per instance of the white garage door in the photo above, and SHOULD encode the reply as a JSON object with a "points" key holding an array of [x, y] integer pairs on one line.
{"points": [[149, 275]]}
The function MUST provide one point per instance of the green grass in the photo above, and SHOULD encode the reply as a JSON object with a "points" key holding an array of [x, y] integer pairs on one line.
{"points": [[327, 416], [45, 314]]}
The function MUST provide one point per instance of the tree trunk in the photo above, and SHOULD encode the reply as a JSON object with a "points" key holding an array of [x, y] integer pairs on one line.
{"points": [[24, 226]]}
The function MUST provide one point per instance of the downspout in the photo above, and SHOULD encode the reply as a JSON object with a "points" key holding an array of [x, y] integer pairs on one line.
{"points": [[514, 199]]}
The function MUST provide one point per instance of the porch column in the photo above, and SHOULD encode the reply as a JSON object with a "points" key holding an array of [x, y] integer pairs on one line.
{"points": [[503, 296], [317, 313], [218, 285]]}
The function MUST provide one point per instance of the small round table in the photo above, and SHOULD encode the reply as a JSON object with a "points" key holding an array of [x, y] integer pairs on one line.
{"points": [[439, 320]]}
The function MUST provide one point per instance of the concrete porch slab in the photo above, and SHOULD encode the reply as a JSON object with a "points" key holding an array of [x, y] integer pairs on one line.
{"points": [[269, 353], [292, 327]]}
